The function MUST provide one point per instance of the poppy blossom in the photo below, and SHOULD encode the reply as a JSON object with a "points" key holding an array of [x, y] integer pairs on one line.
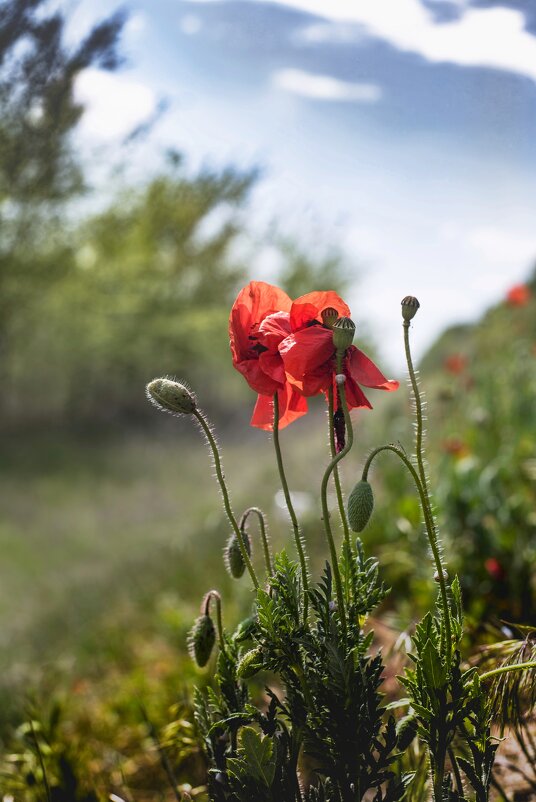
{"points": [[259, 321], [494, 568], [455, 364], [309, 354], [518, 295]]}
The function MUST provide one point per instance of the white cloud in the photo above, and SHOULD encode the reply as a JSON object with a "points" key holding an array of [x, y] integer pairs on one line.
{"points": [[503, 247], [190, 24], [488, 37], [114, 103], [330, 33], [323, 87]]}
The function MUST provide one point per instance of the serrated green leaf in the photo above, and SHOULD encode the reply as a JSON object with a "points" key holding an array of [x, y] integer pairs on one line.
{"points": [[434, 670], [257, 753]]}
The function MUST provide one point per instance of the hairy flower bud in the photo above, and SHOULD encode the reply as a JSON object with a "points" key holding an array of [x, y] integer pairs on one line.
{"points": [[329, 316], [234, 560], [343, 333], [250, 663], [410, 305], [201, 640], [360, 506], [171, 396]]}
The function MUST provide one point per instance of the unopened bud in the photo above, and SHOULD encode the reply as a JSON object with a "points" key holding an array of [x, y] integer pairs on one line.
{"points": [[343, 333], [410, 305], [201, 640], [329, 316], [249, 664], [171, 396], [360, 506], [234, 560]]}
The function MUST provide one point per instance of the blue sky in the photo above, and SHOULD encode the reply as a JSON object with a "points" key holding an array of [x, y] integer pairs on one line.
{"points": [[403, 131]]}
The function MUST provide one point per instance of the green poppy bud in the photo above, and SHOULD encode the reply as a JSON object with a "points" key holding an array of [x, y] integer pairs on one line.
{"points": [[329, 316], [250, 663], [406, 730], [171, 396], [410, 305], [360, 506], [234, 560], [245, 629], [201, 640], [343, 333]]}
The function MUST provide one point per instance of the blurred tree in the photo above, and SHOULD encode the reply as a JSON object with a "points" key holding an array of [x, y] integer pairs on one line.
{"points": [[303, 272], [39, 169]]}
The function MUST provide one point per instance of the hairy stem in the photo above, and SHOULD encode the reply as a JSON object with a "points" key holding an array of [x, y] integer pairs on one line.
{"points": [[300, 548], [324, 498], [203, 422], [336, 477], [425, 497], [213, 594], [264, 535]]}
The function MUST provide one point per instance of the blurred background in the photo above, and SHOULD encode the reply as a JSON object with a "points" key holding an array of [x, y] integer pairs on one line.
{"points": [[155, 156]]}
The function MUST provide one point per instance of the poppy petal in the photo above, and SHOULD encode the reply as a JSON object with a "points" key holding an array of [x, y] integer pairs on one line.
{"points": [[309, 307], [292, 405], [306, 351], [364, 371], [273, 329], [355, 397], [272, 365], [253, 303], [257, 379]]}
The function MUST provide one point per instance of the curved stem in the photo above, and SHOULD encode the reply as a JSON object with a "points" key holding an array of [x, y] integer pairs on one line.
{"points": [[203, 422], [428, 522], [213, 594], [264, 535], [295, 525], [505, 669], [324, 498], [336, 477]]}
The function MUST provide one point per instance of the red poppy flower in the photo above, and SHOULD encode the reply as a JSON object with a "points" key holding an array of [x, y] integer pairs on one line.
{"points": [[259, 321], [455, 364], [309, 354], [494, 568], [518, 295]]}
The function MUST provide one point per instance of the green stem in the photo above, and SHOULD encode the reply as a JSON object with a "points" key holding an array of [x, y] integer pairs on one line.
{"points": [[324, 498], [213, 594], [264, 535], [425, 496], [456, 770], [504, 669], [203, 422], [336, 477], [41, 762], [295, 526], [428, 522]]}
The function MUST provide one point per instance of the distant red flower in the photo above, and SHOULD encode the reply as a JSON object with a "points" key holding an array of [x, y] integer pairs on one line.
{"points": [[309, 354], [455, 446], [455, 364], [518, 295], [494, 568], [259, 321]]}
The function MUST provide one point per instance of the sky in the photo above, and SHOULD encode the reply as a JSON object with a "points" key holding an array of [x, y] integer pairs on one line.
{"points": [[401, 131]]}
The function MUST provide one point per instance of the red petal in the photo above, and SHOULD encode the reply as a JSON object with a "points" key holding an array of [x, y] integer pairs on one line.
{"points": [[291, 406], [254, 303], [365, 372], [273, 329], [309, 307], [272, 364], [355, 396], [257, 379], [307, 350]]}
